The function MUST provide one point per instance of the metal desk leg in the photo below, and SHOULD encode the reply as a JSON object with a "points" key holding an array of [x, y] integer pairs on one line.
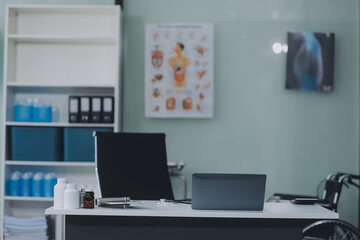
{"points": [[174, 171], [59, 227], [183, 179]]}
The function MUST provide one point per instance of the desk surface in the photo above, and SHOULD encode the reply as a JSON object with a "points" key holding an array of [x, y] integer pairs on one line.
{"points": [[155, 209]]}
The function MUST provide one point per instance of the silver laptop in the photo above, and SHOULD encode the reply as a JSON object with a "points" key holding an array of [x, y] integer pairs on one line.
{"points": [[228, 191]]}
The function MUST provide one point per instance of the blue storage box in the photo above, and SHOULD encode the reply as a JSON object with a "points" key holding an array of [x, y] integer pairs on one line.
{"points": [[36, 144], [79, 143]]}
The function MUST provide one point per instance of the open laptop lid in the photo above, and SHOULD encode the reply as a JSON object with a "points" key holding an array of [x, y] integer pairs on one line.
{"points": [[228, 191]]}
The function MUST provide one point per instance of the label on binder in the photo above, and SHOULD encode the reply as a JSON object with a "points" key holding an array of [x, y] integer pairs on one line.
{"points": [[84, 109], [95, 109], [108, 110], [73, 109]]}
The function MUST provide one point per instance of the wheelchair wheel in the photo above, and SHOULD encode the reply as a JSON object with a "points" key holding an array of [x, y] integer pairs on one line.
{"points": [[331, 230]]}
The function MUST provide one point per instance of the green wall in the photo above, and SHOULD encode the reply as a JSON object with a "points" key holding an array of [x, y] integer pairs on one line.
{"points": [[295, 137]]}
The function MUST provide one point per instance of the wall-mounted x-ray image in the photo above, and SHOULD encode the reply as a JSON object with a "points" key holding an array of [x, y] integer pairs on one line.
{"points": [[310, 61]]}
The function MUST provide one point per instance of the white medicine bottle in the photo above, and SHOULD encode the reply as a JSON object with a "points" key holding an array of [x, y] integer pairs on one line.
{"points": [[59, 190], [71, 196]]}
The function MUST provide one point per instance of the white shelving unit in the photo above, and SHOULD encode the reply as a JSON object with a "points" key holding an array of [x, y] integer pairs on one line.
{"points": [[52, 164], [35, 199], [53, 52], [59, 124]]}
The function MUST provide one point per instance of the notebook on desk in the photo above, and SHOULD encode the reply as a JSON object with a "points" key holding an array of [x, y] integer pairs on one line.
{"points": [[228, 191]]}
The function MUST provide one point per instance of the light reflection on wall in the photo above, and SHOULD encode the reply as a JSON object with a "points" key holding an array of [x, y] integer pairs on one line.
{"points": [[278, 48]]}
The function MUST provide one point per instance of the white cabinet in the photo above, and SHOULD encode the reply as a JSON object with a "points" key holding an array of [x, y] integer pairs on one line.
{"points": [[52, 52]]}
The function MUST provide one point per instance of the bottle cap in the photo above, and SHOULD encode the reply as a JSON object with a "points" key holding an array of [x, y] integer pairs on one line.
{"points": [[37, 102], [62, 180], [25, 102], [38, 176], [16, 175], [88, 188], [71, 186], [30, 174], [27, 175], [48, 176]]}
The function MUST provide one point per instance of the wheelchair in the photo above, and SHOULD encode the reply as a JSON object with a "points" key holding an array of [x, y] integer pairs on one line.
{"points": [[328, 229], [331, 230]]}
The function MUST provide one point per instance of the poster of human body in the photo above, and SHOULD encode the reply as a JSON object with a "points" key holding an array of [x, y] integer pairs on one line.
{"points": [[179, 78]]}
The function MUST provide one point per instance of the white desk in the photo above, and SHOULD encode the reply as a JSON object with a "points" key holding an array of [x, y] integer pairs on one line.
{"points": [[179, 221]]}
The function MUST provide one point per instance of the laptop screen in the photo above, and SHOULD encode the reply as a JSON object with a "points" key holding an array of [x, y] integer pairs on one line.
{"points": [[228, 191]]}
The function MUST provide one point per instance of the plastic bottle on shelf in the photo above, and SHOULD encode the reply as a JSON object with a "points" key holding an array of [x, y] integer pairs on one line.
{"points": [[42, 111], [23, 110], [71, 196], [49, 184], [26, 184], [55, 113], [14, 184], [38, 185], [59, 190]]}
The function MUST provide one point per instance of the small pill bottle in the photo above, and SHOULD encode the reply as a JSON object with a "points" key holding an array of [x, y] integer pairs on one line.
{"points": [[88, 198]]}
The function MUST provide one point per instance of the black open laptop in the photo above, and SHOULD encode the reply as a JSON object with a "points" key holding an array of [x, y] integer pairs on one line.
{"points": [[228, 191]]}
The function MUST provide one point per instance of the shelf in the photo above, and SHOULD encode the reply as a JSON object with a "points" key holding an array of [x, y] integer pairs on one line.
{"points": [[48, 163], [171, 165], [60, 39], [58, 85], [54, 9], [53, 52], [34, 199], [58, 124]]}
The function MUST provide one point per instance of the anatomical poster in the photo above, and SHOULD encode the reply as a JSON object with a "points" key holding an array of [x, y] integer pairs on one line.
{"points": [[179, 78], [310, 61]]}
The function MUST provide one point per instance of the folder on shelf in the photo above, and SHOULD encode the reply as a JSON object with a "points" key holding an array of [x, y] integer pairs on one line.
{"points": [[96, 109], [85, 107], [108, 110], [73, 109]]}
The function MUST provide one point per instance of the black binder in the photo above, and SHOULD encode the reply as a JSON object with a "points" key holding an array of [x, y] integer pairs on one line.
{"points": [[108, 110], [85, 107], [96, 109], [74, 106]]}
